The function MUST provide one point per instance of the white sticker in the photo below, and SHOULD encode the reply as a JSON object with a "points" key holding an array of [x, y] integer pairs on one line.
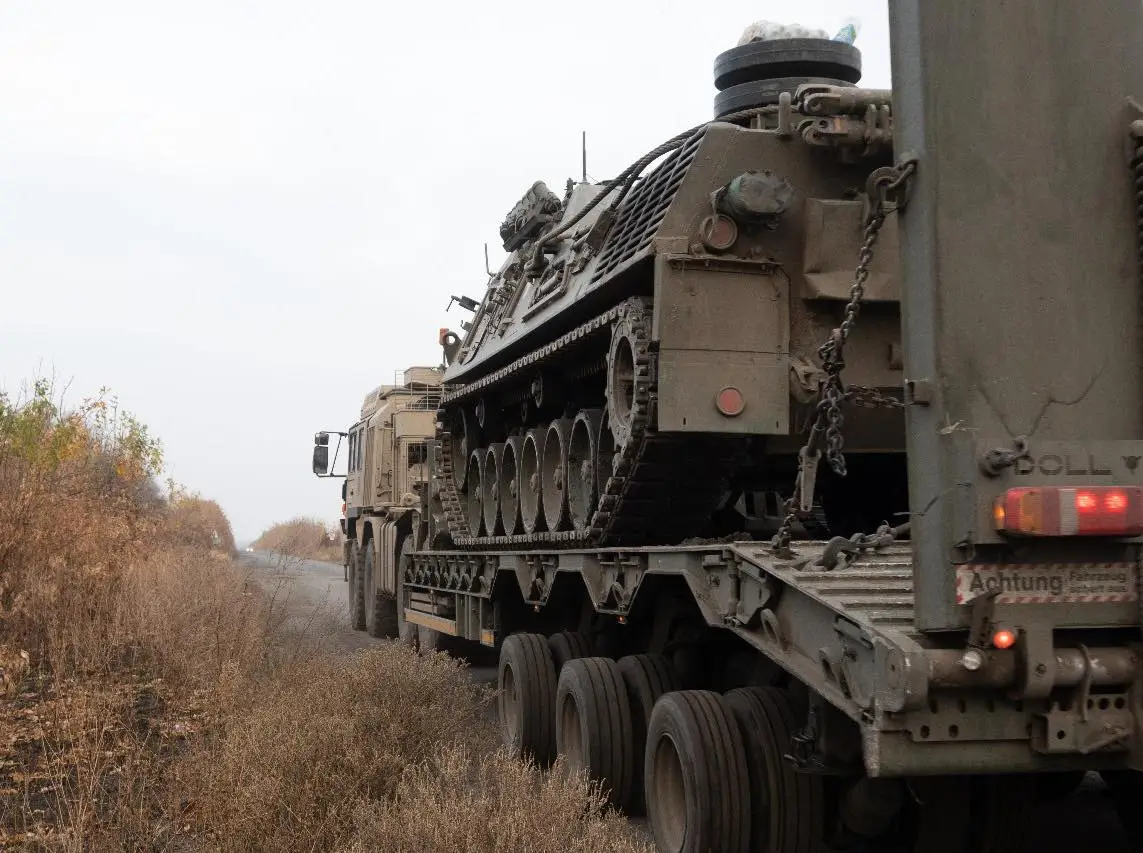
{"points": [[1050, 583]]}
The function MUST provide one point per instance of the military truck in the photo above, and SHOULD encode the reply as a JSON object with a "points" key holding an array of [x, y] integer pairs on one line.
{"points": [[794, 472], [386, 482]]}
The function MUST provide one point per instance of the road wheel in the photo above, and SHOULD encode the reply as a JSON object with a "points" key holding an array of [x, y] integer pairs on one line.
{"points": [[593, 725], [356, 590], [527, 687], [787, 808], [696, 783], [568, 645], [645, 678]]}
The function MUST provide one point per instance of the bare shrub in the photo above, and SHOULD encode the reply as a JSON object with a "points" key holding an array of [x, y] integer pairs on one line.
{"points": [[460, 800], [304, 538], [194, 522], [301, 749]]}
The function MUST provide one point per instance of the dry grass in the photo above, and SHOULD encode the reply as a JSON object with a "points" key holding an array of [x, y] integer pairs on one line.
{"points": [[461, 802], [152, 700], [302, 538]]}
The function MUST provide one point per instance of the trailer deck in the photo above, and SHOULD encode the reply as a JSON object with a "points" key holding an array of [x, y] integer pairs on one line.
{"points": [[911, 692]]}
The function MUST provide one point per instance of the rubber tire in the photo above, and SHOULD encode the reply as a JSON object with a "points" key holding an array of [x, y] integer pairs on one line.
{"points": [[568, 645], [1126, 788], [593, 725], [787, 808], [714, 803], [526, 660], [796, 57], [406, 631], [645, 678], [380, 609], [356, 590]]}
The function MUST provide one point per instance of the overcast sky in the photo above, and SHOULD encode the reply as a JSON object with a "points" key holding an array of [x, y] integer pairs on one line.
{"points": [[242, 215]]}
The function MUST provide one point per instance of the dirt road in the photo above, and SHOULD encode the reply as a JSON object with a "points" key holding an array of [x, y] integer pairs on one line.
{"points": [[314, 595]]}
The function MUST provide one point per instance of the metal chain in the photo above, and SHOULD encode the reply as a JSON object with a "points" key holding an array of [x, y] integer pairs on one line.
{"points": [[828, 418]]}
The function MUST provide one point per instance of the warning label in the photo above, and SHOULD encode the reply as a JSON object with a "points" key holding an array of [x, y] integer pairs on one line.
{"points": [[1053, 583]]}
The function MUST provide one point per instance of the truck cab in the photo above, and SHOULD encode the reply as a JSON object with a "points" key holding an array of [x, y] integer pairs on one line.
{"points": [[386, 479]]}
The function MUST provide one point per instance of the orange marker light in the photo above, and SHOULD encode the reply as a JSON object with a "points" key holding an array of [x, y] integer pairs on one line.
{"points": [[1004, 639]]}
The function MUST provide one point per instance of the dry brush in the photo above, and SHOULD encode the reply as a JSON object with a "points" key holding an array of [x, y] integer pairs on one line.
{"points": [[150, 701]]}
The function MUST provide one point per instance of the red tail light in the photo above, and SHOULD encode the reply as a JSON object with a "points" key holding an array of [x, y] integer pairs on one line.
{"points": [[1088, 511]]}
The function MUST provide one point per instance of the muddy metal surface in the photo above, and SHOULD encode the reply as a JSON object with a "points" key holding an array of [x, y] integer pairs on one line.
{"points": [[312, 595]]}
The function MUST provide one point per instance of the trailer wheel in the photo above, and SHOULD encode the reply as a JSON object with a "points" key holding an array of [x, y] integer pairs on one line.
{"points": [[787, 808], [568, 645], [593, 725], [356, 590], [527, 697], [646, 678], [696, 782], [380, 609]]}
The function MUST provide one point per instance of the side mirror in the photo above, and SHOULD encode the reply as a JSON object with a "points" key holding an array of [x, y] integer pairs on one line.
{"points": [[321, 459]]}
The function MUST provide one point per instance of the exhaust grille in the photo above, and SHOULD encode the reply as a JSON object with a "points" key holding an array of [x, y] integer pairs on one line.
{"points": [[642, 211]]}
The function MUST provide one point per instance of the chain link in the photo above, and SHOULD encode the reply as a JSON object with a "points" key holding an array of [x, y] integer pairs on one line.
{"points": [[828, 417]]}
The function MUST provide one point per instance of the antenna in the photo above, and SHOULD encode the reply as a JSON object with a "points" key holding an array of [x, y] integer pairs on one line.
{"points": [[487, 268], [584, 149]]}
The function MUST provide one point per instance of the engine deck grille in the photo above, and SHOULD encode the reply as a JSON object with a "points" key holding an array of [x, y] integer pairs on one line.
{"points": [[642, 211]]}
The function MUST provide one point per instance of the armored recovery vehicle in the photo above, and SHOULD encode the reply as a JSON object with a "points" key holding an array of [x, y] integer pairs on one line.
{"points": [[940, 608]]}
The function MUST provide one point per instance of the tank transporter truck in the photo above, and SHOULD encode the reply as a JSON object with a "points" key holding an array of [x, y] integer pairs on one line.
{"points": [[387, 474], [794, 473]]}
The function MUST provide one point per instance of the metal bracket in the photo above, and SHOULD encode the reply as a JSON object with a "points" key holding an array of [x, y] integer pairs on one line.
{"points": [[1103, 725], [1037, 655]]}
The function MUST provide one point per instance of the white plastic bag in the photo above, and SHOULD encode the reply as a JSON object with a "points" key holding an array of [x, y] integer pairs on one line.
{"points": [[768, 31]]}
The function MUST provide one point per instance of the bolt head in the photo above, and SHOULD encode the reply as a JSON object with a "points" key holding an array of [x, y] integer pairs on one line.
{"points": [[972, 660]]}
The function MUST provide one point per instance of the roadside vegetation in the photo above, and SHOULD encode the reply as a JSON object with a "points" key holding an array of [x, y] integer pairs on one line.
{"points": [[302, 538], [151, 702]]}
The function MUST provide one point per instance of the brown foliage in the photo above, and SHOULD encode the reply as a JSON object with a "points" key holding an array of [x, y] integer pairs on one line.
{"points": [[455, 802], [303, 748], [194, 522], [305, 538], [152, 704]]}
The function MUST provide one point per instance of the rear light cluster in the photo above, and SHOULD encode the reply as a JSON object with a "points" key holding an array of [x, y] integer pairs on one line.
{"points": [[1087, 511]]}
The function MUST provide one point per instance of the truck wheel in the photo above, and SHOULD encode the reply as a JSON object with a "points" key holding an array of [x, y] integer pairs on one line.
{"points": [[356, 590], [646, 678], [568, 645], [787, 808], [527, 687], [593, 725], [696, 784], [380, 609], [406, 631]]}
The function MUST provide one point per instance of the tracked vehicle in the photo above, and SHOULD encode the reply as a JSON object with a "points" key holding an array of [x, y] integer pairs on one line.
{"points": [[645, 356], [797, 483]]}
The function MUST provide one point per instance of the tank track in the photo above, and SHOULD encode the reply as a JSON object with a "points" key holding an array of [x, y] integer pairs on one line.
{"points": [[642, 502]]}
